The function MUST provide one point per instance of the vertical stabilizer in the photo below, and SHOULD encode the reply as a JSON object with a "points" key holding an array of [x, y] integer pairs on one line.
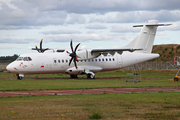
{"points": [[146, 37]]}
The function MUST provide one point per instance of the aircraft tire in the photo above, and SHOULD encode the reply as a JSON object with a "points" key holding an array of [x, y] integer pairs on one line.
{"points": [[90, 76], [19, 78]]}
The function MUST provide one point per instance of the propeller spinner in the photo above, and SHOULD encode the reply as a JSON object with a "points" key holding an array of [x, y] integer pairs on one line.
{"points": [[73, 54], [40, 50]]}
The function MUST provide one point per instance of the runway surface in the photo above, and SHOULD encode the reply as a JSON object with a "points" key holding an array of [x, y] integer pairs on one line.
{"points": [[88, 91]]}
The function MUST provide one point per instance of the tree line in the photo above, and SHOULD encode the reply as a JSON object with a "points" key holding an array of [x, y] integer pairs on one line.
{"points": [[8, 59]]}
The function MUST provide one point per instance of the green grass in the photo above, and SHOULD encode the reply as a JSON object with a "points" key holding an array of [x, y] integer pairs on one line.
{"points": [[136, 106], [110, 106], [150, 78]]}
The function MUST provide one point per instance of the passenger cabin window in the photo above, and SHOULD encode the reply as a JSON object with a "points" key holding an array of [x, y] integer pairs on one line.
{"points": [[59, 61], [96, 60], [99, 60], [66, 60], [54, 61], [106, 59], [109, 59], [103, 59], [62, 61], [113, 59]]}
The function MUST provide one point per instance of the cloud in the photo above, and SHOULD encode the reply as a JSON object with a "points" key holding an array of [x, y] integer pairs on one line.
{"points": [[75, 18], [103, 6], [96, 26], [28, 14], [84, 47], [9, 47], [16, 40], [55, 32], [139, 16], [123, 28], [173, 27], [76, 38]]}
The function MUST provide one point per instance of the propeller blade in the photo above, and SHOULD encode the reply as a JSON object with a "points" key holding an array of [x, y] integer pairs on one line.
{"points": [[67, 52], [41, 45], [77, 47], [71, 46], [70, 61], [40, 50], [75, 63], [73, 54]]}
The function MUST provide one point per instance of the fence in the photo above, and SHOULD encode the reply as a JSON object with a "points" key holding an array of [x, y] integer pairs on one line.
{"points": [[156, 65]]}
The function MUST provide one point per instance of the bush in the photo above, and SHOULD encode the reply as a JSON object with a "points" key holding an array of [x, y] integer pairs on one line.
{"points": [[95, 116], [178, 47]]}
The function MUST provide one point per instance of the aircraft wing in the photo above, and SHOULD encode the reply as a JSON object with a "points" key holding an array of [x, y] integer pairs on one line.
{"points": [[60, 50], [113, 50]]}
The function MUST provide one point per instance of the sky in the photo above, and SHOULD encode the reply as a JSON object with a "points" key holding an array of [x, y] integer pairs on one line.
{"points": [[93, 23]]}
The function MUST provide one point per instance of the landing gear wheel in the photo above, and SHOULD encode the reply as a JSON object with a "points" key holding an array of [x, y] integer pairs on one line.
{"points": [[175, 79], [90, 76], [19, 77]]}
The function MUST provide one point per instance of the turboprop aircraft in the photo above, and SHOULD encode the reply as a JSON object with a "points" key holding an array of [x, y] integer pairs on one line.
{"points": [[88, 61]]}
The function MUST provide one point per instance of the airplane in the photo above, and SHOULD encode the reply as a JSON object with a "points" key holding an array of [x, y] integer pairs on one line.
{"points": [[76, 61]]}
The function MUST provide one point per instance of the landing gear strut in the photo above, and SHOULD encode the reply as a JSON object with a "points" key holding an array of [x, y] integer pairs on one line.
{"points": [[19, 76]]}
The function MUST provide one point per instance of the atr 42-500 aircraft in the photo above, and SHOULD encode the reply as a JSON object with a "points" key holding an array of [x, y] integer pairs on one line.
{"points": [[88, 61]]}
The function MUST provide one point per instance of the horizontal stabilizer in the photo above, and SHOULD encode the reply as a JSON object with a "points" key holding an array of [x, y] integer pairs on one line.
{"points": [[152, 25]]}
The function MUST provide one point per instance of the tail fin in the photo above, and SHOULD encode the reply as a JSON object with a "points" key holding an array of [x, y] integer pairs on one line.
{"points": [[146, 37]]}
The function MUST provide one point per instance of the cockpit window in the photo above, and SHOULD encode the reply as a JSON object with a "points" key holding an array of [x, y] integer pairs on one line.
{"points": [[29, 59], [25, 59], [19, 58]]}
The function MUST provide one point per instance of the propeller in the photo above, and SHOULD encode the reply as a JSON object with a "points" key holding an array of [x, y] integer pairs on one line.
{"points": [[40, 50], [73, 54]]}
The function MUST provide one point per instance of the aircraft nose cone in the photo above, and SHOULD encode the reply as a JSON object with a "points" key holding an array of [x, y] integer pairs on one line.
{"points": [[10, 68]]}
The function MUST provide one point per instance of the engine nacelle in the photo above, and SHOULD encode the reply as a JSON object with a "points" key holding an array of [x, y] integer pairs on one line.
{"points": [[86, 54], [74, 71]]}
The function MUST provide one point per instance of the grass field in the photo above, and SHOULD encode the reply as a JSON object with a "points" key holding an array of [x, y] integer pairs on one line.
{"points": [[151, 78], [151, 106]]}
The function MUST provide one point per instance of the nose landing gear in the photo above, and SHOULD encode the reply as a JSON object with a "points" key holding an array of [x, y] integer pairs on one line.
{"points": [[20, 76]]}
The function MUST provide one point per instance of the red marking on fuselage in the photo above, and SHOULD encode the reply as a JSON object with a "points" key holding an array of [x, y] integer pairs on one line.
{"points": [[15, 68], [76, 59], [42, 66], [21, 64]]}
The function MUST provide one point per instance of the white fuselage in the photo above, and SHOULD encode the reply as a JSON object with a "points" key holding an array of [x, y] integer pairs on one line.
{"points": [[46, 63]]}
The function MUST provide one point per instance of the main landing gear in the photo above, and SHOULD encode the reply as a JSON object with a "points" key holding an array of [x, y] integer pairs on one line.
{"points": [[19, 76], [90, 76]]}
